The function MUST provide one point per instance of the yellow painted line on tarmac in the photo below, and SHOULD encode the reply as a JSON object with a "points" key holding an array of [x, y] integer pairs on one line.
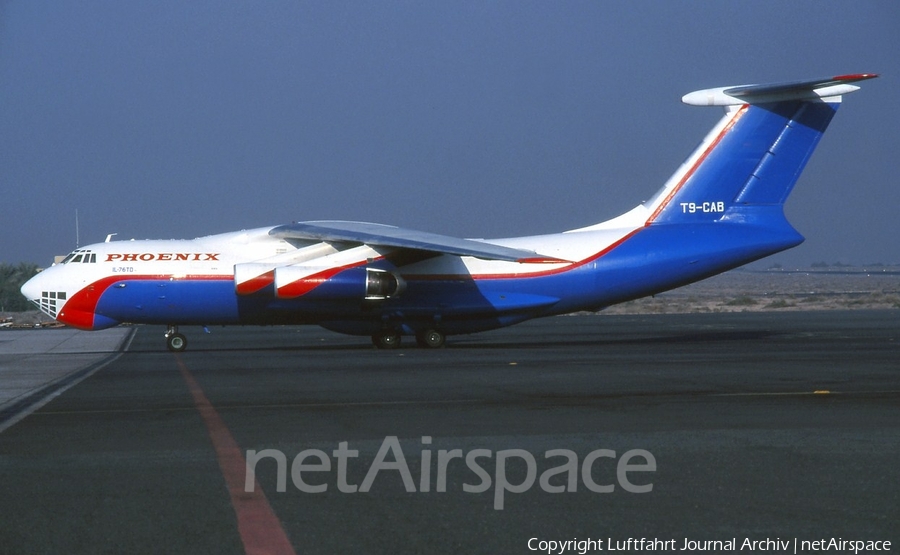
{"points": [[800, 393], [785, 393]]}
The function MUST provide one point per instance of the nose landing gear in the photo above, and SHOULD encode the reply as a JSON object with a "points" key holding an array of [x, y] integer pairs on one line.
{"points": [[175, 341]]}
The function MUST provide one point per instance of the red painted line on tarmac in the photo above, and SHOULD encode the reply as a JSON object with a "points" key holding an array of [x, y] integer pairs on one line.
{"points": [[260, 530]]}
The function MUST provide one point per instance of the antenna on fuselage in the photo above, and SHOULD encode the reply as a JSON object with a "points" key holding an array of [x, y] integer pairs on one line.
{"points": [[77, 238]]}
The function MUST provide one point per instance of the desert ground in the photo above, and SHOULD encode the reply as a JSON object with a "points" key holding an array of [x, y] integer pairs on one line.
{"points": [[747, 290]]}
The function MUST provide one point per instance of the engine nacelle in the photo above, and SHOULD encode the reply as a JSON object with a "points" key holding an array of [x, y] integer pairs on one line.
{"points": [[250, 278], [336, 283]]}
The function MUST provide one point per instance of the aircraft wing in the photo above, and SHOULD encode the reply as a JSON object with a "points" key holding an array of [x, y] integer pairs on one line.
{"points": [[397, 237]]}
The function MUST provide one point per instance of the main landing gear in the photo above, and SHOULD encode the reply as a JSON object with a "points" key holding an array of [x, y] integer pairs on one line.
{"points": [[386, 339], [175, 341], [389, 339], [430, 339]]}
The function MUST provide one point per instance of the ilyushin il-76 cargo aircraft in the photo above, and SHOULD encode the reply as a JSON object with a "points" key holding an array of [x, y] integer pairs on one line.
{"points": [[721, 209]]}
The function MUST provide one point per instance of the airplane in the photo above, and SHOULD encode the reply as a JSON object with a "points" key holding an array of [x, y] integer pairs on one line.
{"points": [[722, 208]]}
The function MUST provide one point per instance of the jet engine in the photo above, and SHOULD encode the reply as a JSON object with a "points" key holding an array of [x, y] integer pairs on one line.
{"points": [[337, 283]]}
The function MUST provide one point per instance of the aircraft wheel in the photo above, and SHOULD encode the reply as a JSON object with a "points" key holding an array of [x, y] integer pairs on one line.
{"points": [[386, 340], [431, 339], [176, 342]]}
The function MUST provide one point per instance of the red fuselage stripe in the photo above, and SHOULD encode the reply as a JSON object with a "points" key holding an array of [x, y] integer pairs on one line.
{"points": [[78, 311]]}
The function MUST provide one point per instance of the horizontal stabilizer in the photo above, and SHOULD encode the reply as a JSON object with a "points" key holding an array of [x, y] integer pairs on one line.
{"points": [[829, 87]]}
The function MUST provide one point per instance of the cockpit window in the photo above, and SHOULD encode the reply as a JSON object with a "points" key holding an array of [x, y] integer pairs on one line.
{"points": [[81, 255]]}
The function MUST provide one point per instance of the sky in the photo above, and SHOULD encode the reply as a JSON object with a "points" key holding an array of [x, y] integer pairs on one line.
{"points": [[173, 119]]}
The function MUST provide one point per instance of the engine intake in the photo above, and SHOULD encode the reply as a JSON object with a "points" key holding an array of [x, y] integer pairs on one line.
{"points": [[382, 284]]}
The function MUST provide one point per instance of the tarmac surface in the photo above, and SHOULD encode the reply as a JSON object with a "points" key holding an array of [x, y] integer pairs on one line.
{"points": [[747, 426], [36, 367]]}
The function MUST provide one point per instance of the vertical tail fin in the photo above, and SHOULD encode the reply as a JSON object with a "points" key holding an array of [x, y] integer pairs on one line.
{"points": [[724, 207], [755, 154]]}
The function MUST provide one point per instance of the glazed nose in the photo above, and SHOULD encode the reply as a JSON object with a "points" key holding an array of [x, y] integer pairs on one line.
{"points": [[44, 291]]}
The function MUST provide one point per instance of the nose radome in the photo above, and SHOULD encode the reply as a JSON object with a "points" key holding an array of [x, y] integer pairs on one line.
{"points": [[31, 289]]}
